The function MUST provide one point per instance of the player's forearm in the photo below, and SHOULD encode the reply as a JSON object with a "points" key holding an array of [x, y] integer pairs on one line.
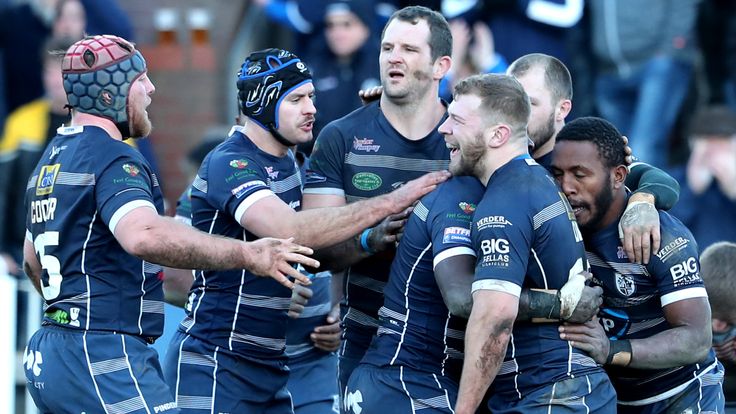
{"points": [[170, 243], [672, 348], [319, 228], [486, 339], [33, 276], [644, 178], [539, 305], [341, 255]]}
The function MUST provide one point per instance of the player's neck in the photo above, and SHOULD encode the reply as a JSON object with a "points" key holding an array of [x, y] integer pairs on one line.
{"points": [[83, 119], [496, 158], [414, 121], [615, 209], [264, 140]]}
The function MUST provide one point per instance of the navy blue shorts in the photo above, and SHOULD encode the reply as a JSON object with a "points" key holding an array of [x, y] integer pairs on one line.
{"points": [[313, 385], [703, 395], [388, 390], [592, 393], [206, 378], [73, 371], [349, 356]]}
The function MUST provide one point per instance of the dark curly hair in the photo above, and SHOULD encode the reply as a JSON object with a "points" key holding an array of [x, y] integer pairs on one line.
{"points": [[600, 132]]}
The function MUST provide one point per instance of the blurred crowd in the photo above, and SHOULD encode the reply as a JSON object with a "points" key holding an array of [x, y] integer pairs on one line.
{"points": [[662, 71]]}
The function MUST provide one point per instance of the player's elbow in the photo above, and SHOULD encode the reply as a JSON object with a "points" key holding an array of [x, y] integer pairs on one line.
{"points": [[702, 345], [459, 304]]}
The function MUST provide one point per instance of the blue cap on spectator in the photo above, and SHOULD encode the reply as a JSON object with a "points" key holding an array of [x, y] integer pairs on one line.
{"points": [[362, 9]]}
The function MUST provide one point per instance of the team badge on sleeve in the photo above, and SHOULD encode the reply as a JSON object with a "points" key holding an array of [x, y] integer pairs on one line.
{"points": [[46, 179], [239, 164], [131, 170]]}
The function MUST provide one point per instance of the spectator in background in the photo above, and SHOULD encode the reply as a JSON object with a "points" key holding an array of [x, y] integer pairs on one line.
{"points": [[707, 203], [473, 52], [645, 52], [28, 25], [346, 62], [718, 270], [27, 131]]}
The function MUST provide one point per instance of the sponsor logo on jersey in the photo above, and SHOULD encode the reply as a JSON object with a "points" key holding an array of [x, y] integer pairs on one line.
{"points": [[271, 173], [56, 151], [366, 181], [165, 406], [313, 177], [131, 170], [620, 253], [295, 204], [672, 247], [240, 190], [625, 284], [492, 222], [456, 235], [467, 208], [495, 252], [352, 402], [46, 179], [239, 164], [685, 272], [33, 360], [240, 174], [365, 144]]}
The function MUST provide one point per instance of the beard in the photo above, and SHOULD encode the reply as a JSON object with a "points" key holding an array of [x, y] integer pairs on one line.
{"points": [[139, 124], [542, 135], [602, 203], [469, 158]]}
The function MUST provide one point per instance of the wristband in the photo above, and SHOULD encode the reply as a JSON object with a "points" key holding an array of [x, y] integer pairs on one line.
{"points": [[364, 241], [619, 353]]}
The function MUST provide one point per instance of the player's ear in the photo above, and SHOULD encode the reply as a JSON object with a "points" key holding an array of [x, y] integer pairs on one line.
{"points": [[441, 67], [619, 176], [563, 109]]}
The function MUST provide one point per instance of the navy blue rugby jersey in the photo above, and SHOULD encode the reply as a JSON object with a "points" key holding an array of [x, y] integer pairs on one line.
{"points": [[299, 346], [84, 183], [360, 156], [235, 309], [634, 296], [526, 236], [416, 328]]}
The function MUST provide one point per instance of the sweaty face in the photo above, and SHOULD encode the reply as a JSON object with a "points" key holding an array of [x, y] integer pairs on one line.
{"points": [[139, 97], [584, 179], [463, 132], [296, 114], [405, 61], [541, 126], [345, 33]]}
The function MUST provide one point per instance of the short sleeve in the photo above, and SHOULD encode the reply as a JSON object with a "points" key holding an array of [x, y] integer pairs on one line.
{"points": [[676, 267], [234, 183], [324, 175], [502, 238], [123, 186], [449, 220]]}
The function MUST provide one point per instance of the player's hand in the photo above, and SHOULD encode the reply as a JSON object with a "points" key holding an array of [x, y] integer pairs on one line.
{"points": [[371, 94], [588, 305], [327, 337], [274, 258], [726, 352], [638, 229], [412, 191], [300, 296], [628, 152], [388, 231], [589, 337]]}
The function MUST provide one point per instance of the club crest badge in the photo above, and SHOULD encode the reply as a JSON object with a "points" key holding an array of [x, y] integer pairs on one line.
{"points": [[625, 284]]}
